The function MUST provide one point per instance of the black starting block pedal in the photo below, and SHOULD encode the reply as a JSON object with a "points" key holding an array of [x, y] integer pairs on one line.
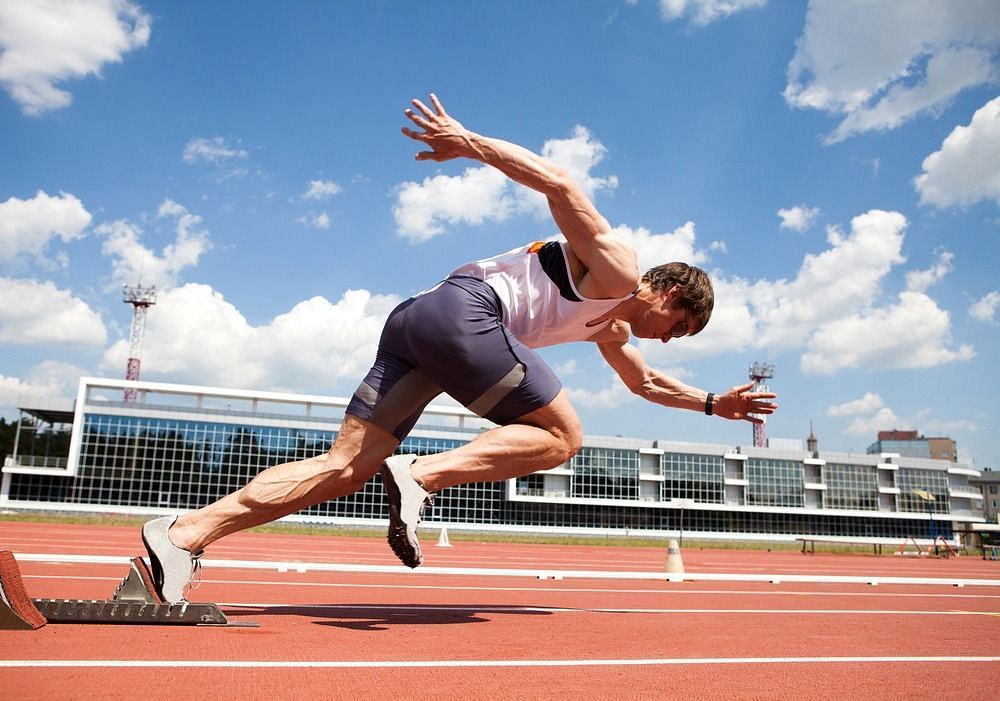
{"points": [[135, 601]]}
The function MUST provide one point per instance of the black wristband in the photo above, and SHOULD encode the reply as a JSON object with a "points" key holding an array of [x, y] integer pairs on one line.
{"points": [[709, 404]]}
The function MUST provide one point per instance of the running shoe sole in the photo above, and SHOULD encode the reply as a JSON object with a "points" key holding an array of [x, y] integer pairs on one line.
{"points": [[407, 502]]}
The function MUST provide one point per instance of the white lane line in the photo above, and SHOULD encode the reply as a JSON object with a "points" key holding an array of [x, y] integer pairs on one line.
{"points": [[534, 573], [549, 590], [365, 664], [562, 609]]}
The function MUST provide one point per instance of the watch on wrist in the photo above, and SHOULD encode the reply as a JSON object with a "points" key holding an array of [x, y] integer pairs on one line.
{"points": [[710, 404]]}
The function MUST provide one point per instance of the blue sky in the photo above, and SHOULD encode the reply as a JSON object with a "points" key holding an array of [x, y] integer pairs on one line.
{"points": [[834, 165]]}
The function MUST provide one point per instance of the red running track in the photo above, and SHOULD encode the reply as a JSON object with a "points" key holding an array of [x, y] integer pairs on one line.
{"points": [[333, 635]]}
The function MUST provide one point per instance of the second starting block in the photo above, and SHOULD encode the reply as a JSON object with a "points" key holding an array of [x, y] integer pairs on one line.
{"points": [[134, 601]]}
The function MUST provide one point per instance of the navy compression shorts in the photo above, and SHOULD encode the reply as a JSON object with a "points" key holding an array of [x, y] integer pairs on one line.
{"points": [[451, 339]]}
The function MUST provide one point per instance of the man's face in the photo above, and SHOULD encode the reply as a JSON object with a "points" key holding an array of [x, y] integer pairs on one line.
{"points": [[665, 318]]}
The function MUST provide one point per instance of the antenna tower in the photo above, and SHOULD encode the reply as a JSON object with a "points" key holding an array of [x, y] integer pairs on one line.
{"points": [[141, 298], [758, 373]]}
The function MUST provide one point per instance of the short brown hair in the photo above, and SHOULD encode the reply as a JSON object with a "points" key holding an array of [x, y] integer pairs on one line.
{"points": [[696, 293]]}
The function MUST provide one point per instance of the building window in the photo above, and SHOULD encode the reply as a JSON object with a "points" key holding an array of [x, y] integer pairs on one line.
{"points": [[688, 476], [605, 473], [850, 487], [910, 480], [774, 482]]}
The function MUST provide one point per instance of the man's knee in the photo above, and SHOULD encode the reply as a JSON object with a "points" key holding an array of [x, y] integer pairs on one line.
{"points": [[569, 436]]}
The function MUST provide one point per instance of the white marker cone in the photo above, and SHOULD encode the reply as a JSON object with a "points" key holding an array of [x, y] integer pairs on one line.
{"points": [[443, 539], [675, 565]]}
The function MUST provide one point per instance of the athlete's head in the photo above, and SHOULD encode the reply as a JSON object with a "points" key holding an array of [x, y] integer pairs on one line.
{"points": [[694, 294]]}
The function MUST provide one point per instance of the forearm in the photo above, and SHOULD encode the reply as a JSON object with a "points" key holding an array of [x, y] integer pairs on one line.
{"points": [[520, 165], [666, 391]]}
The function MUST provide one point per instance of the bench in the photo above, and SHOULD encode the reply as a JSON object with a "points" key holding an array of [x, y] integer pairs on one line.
{"points": [[809, 543]]}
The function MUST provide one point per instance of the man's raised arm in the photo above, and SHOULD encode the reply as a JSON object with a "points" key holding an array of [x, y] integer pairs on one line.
{"points": [[609, 261]]}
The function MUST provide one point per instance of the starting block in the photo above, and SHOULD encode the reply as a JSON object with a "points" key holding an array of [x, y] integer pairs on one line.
{"points": [[134, 601]]}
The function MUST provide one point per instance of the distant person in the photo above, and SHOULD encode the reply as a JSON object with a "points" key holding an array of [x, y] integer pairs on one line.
{"points": [[471, 336]]}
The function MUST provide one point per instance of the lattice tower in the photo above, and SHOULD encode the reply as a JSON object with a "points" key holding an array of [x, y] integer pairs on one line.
{"points": [[141, 298], [758, 373]]}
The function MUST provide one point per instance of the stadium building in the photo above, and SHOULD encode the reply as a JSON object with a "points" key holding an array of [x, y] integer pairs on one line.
{"points": [[165, 448]]}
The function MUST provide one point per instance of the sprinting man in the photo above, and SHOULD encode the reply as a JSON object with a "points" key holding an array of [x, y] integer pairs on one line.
{"points": [[471, 336]]}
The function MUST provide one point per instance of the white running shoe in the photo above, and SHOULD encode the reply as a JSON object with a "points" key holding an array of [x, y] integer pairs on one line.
{"points": [[174, 568], [407, 501]]}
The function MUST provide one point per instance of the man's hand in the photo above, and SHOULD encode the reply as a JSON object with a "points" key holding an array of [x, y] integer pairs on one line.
{"points": [[445, 135], [740, 403]]}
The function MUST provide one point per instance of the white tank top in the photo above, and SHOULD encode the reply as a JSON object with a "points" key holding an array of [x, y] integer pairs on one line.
{"points": [[541, 304]]}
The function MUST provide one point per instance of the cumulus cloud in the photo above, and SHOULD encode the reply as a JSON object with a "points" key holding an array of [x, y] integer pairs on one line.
{"points": [[316, 221], [703, 12], [614, 395], [920, 280], [912, 333], [831, 309], [965, 169], [878, 65], [321, 190], [47, 380], [882, 420], [133, 262], [27, 226], [798, 218], [196, 335], [830, 284], [865, 405], [37, 313], [656, 249], [985, 308], [46, 42], [216, 151], [482, 193]]}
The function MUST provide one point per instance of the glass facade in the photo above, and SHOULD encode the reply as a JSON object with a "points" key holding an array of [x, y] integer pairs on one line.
{"points": [[605, 473], [934, 482], [188, 449], [693, 476], [850, 487], [774, 482]]}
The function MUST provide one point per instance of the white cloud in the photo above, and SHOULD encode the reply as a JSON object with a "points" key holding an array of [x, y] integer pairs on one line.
{"points": [[920, 280], [132, 262], [832, 284], [881, 64], [913, 333], [798, 218], [830, 309], [316, 221], [47, 380], [321, 190], [216, 150], [27, 226], [656, 249], [482, 193], [38, 313], [985, 308], [867, 404], [422, 209], [966, 169], [883, 420], [45, 42], [614, 395], [702, 12], [195, 335]]}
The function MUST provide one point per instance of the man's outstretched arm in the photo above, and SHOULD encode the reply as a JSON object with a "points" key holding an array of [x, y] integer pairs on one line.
{"points": [[609, 261], [654, 386]]}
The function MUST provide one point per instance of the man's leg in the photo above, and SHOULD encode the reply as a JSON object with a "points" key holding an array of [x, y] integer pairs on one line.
{"points": [[539, 440], [356, 454]]}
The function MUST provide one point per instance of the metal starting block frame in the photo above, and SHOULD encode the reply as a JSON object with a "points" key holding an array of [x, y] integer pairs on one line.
{"points": [[134, 601]]}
